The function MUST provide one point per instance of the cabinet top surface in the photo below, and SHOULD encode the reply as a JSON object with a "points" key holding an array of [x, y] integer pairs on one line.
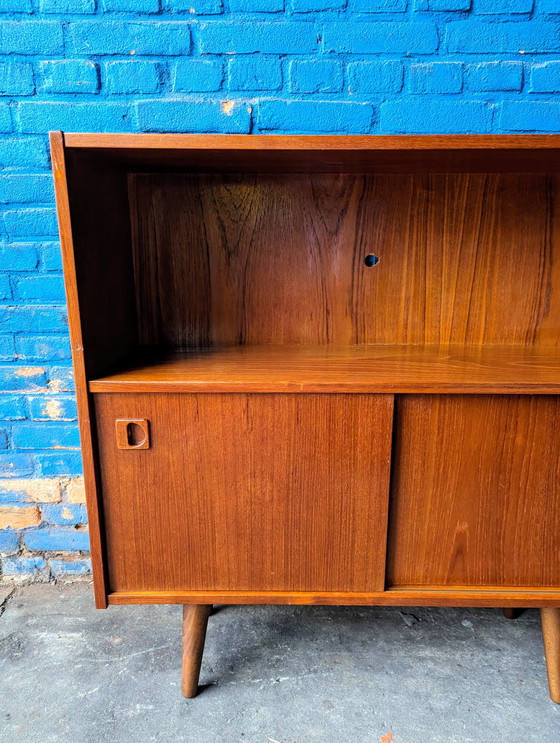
{"points": [[76, 140]]}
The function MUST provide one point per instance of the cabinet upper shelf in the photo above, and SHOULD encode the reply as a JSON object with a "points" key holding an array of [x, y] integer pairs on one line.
{"points": [[383, 368]]}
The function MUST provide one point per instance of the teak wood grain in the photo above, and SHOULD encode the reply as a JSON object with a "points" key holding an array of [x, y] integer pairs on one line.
{"points": [[475, 495], [330, 368], [251, 492], [279, 259]]}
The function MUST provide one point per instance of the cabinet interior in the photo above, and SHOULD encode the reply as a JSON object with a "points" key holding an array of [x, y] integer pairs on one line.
{"points": [[195, 265]]}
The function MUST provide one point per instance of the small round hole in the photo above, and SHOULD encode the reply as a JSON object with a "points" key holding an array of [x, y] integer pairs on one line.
{"points": [[371, 260]]}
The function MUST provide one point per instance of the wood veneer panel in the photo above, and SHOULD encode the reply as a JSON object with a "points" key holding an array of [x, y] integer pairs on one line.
{"points": [[330, 368], [279, 259], [405, 596], [247, 492], [84, 402], [475, 497]]}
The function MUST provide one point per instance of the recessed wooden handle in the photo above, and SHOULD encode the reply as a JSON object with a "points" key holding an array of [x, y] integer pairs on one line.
{"points": [[133, 433]]}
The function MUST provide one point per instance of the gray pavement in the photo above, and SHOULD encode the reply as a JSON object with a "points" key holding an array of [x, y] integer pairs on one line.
{"points": [[71, 674]]}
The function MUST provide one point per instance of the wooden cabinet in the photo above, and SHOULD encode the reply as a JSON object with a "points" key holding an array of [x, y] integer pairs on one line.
{"points": [[317, 369]]}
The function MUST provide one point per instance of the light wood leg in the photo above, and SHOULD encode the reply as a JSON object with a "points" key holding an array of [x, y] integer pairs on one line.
{"points": [[550, 619], [195, 621], [511, 613]]}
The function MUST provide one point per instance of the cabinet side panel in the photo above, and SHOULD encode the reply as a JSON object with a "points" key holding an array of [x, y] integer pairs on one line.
{"points": [[476, 492], [84, 401], [247, 492], [100, 215]]}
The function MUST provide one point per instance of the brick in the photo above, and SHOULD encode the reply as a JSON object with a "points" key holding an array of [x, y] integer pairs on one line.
{"points": [[5, 119], [61, 379], [14, 464], [490, 76], [52, 408], [22, 378], [25, 222], [75, 490], [165, 38], [5, 288], [19, 517], [250, 73], [64, 513], [256, 6], [19, 256], [195, 7], [197, 75], [43, 288], [443, 5], [7, 348], [4, 437], [378, 6], [46, 436], [311, 6], [43, 347], [545, 78], [134, 6], [60, 568], [43, 116], [492, 7], [380, 38], [67, 6], [51, 256], [36, 491], [248, 38], [23, 565], [173, 115], [424, 116], [16, 6], [316, 77], [58, 464], [12, 408], [69, 76], [56, 540], [24, 152], [40, 318], [16, 78], [472, 37], [437, 77], [127, 78], [25, 189], [549, 6], [31, 37], [9, 542], [537, 116], [375, 77], [315, 117]]}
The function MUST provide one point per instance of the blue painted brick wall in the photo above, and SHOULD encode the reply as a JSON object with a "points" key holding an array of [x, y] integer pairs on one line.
{"points": [[247, 66]]}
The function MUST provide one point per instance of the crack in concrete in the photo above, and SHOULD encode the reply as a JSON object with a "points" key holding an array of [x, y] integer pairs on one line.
{"points": [[6, 597]]}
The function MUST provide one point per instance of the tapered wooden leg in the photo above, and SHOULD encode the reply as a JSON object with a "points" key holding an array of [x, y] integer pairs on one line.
{"points": [[511, 613], [551, 636], [195, 620]]}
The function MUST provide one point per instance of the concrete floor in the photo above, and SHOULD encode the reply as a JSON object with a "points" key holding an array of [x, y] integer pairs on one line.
{"points": [[71, 674]]}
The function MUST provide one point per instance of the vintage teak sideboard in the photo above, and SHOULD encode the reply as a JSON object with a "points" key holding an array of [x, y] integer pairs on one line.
{"points": [[317, 370]]}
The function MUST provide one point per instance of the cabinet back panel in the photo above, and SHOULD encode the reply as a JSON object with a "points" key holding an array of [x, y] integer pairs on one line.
{"points": [[279, 258], [475, 495]]}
